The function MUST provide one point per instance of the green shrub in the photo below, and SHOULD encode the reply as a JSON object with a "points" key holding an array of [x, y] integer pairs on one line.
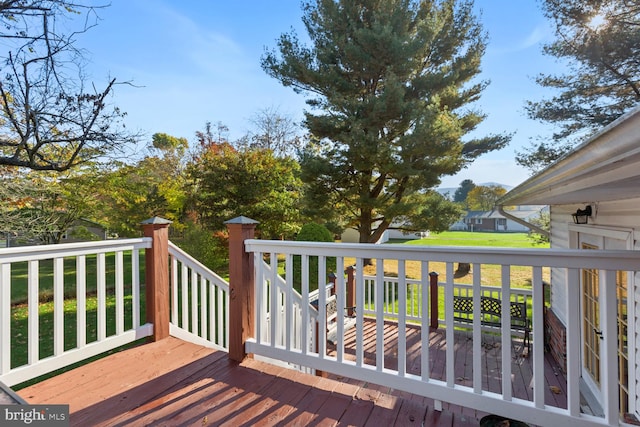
{"points": [[210, 248], [314, 232]]}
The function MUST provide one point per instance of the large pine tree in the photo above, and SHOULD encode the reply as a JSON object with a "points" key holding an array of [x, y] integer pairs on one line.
{"points": [[389, 85], [599, 40]]}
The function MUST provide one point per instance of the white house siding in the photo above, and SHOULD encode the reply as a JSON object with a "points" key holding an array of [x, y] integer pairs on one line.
{"points": [[351, 235], [616, 215], [398, 234], [560, 217], [516, 227]]}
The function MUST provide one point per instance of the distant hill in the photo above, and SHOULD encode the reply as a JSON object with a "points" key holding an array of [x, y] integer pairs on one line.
{"points": [[452, 190]]}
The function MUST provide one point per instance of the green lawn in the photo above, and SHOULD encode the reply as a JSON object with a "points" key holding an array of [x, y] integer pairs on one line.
{"points": [[19, 310], [19, 325], [19, 276], [466, 238], [20, 334], [520, 276]]}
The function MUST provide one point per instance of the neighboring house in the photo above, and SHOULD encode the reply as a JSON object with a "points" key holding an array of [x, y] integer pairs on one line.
{"points": [[459, 225], [494, 221], [603, 176], [485, 221], [351, 235], [393, 233], [473, 221], [82, 230]]}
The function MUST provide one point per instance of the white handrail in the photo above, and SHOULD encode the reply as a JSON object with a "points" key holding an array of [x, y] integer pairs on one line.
{"points": [[199, 300], [449, 388], [32, 253], [289, 321], [109, 279]]}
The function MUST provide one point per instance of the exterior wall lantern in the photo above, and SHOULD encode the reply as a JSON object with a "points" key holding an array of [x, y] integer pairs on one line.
{"points": [[581, 216]]}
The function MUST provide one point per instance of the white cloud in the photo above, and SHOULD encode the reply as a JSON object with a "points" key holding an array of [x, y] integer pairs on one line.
{"points": [[539, 34]]}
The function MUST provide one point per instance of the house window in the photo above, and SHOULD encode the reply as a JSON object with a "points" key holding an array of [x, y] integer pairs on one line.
{"points": [[502, 221], [591, 348], [603, 238], [478, 220], [591, 321]]}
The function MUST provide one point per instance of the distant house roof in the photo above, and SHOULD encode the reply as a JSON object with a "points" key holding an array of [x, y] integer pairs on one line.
{"points": [[525, 213], [478, 214], [604, 168], [89, 222], [493, 214]]}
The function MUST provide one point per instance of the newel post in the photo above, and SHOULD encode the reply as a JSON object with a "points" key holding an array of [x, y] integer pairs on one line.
{"points": [[157, 275], [241, 286], [433, 299], [332, 280]]}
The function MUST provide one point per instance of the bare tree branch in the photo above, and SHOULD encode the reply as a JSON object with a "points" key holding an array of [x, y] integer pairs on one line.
{"points": [[49, 119]]}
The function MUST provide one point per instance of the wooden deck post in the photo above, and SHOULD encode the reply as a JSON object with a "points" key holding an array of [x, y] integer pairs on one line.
{"points": [[332, 280], [241, 286], [157, 276], [351, 290], [433, 299]]}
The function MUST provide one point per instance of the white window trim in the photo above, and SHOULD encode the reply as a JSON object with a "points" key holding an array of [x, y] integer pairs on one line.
{"points": [[624, 234], [618, 233]]}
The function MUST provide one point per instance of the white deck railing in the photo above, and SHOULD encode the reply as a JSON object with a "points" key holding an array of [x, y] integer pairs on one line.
{"points": [[106, 264], [287, 305], [114, 300], [503, 402], [199, 305], [199, 302], [414, 307]]}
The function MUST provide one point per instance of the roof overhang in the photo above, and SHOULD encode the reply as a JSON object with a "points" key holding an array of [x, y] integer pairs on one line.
{"points": [[604, 168]]}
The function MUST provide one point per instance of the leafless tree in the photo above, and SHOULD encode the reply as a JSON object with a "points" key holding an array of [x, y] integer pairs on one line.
{"points": [[274, 131], [51, 117], [34, 208]]}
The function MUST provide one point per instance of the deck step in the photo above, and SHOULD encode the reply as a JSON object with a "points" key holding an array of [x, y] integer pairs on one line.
{"points": [[332, 331]]}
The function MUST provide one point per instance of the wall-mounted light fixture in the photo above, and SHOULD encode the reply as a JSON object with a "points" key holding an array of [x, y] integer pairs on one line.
{"points": [[581, 216]]}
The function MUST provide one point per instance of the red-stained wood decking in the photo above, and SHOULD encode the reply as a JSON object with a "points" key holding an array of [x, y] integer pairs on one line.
{"points": [[491, 356], [174, 383]]}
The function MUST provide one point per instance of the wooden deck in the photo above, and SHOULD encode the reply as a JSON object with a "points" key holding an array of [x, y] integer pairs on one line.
{"points": [[491, 352], [174, 383]]}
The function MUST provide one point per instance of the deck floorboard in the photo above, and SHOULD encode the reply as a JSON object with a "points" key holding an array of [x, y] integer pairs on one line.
{"points": [[175, 383]]}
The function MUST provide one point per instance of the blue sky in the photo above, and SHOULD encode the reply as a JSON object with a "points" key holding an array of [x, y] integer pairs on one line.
{"points": [[198, 61]]}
